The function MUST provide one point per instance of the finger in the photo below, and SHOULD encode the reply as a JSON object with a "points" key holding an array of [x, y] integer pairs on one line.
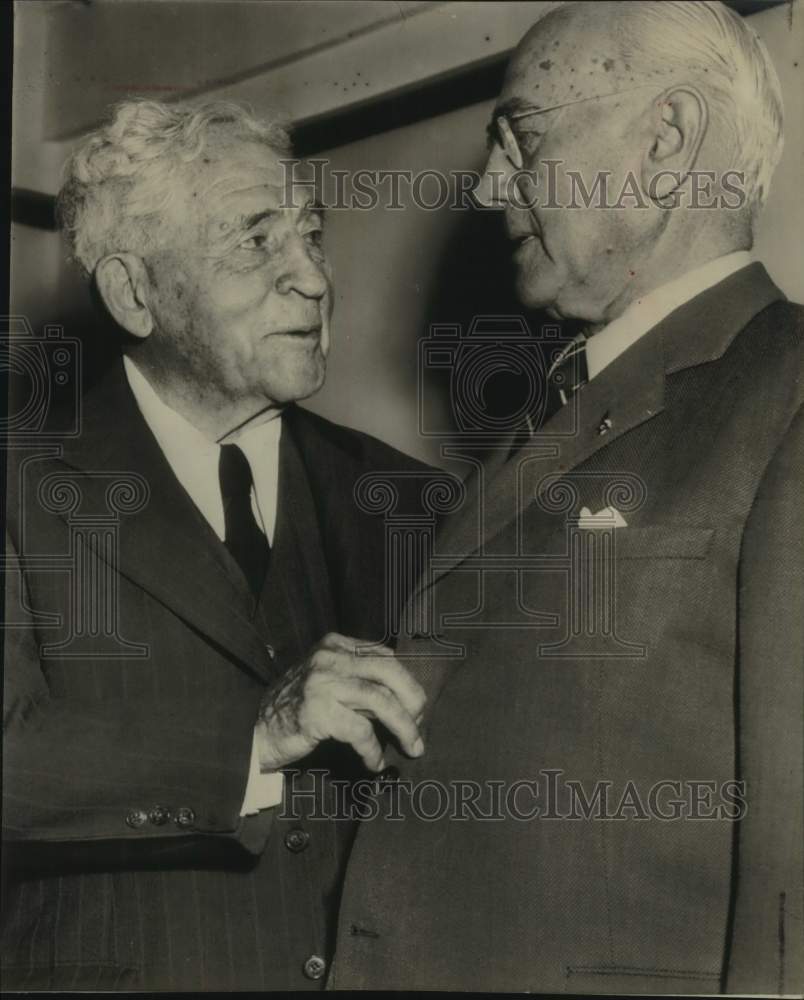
{"points": [[358, 731], [326, 658], [362, 695], [338, 641], [398, 679], [348, 644], [365, 648]]}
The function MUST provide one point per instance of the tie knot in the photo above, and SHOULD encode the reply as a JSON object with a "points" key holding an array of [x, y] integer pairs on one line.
{"points": [[234, 472], [569, 370]]}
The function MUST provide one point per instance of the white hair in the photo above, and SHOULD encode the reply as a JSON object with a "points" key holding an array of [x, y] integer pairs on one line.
{"points": [[723, 54], [118, 182]]}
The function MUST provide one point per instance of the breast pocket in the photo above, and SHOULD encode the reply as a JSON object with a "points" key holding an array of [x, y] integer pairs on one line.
{"points": [[659, 541], [616, 594], [669, 590]]}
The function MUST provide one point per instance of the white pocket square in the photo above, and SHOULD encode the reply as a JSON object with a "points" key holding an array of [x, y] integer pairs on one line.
{"points": [[609, 517]]}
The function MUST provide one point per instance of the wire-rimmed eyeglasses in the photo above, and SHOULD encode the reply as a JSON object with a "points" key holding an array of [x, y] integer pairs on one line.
{"points": [[501, 132]]}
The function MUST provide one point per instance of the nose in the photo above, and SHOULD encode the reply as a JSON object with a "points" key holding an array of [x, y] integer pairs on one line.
{"points": [[491, 191], [301, 273]]}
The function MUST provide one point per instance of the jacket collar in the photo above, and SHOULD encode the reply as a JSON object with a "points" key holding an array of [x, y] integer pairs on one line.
{"points": [[167, 547]]}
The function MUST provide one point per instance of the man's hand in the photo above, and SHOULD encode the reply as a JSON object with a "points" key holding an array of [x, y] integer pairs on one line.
{"points": [[334, 694]]}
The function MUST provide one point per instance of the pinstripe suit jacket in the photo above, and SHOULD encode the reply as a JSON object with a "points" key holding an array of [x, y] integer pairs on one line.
{"points": [[132, 681]]}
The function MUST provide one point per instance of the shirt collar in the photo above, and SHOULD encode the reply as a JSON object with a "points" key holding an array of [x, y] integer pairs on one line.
{"points": [[177, 437], [193, 456], [642, 315], [174, 431]]}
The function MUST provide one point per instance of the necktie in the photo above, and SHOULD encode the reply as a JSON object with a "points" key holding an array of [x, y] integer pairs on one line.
{"points": [[244, 539], [566, 375]]}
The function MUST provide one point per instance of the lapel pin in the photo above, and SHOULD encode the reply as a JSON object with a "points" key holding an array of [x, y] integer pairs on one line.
{"points": [[605, 425]]}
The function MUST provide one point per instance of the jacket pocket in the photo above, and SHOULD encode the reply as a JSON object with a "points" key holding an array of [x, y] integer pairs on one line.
{"points": [[625, 980], [661, 541]]}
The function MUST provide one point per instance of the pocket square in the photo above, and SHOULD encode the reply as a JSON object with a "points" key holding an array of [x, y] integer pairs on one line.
{"points": [[609, 517]]}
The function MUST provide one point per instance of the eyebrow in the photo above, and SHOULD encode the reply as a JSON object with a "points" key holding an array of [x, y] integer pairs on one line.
{"points": [[312, 208], [253, 220]]}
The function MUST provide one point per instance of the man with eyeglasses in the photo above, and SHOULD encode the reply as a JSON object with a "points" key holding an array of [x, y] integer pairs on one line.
{"points": [[620, 742]]}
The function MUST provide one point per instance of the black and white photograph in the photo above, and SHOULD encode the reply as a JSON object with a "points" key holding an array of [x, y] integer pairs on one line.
{"points": [[403, 460]]}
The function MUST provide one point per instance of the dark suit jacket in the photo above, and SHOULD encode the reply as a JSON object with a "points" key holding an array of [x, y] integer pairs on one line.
{"points": [[127, 738], [694, 435]]}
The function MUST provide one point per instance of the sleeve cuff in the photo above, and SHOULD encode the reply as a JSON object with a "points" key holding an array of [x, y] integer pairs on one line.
{"points": [[263, 791]]}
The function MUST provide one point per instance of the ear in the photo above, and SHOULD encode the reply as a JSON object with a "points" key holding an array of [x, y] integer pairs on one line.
{"points": [[123, 284], [676, 140]]}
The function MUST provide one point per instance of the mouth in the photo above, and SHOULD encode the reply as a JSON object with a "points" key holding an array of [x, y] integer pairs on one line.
{"points": [[522, 241], [301, 333]]}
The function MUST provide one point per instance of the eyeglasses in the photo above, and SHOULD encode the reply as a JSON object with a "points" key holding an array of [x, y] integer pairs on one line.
{"points": [[500, 131]]}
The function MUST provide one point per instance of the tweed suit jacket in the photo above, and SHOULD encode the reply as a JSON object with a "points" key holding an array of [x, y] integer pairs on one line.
{"points": [[686, 680], [127, 746]]}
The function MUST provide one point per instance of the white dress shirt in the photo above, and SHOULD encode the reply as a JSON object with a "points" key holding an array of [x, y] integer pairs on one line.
{"points": [[643, 314], [193, 457]]}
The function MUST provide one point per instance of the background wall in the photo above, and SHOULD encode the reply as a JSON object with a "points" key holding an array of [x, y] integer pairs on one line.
{"points": [[396, 272]]}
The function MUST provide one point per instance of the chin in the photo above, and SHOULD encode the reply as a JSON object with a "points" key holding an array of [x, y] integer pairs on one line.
{"points": [[536, 292], [296, 381]]}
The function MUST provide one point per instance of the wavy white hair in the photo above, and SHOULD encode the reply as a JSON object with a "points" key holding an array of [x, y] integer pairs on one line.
{"points": [[718, 50], [119, 181]]}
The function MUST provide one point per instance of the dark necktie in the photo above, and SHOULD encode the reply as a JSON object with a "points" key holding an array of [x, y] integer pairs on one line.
{"points": [[244, 539]]}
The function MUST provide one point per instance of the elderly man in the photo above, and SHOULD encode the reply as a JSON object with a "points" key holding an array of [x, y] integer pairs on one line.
{"points": [[155, 690], [611, 798]]}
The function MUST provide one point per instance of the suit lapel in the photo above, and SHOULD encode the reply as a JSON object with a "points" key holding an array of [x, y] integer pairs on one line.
{"points": [[297, 591], [166, 547], [333, 461], [627, 393], [596, 416]]}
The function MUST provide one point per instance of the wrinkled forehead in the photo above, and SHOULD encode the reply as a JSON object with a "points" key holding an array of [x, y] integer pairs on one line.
{"points": [[225, 172], [566, 56], [232, 182]]}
